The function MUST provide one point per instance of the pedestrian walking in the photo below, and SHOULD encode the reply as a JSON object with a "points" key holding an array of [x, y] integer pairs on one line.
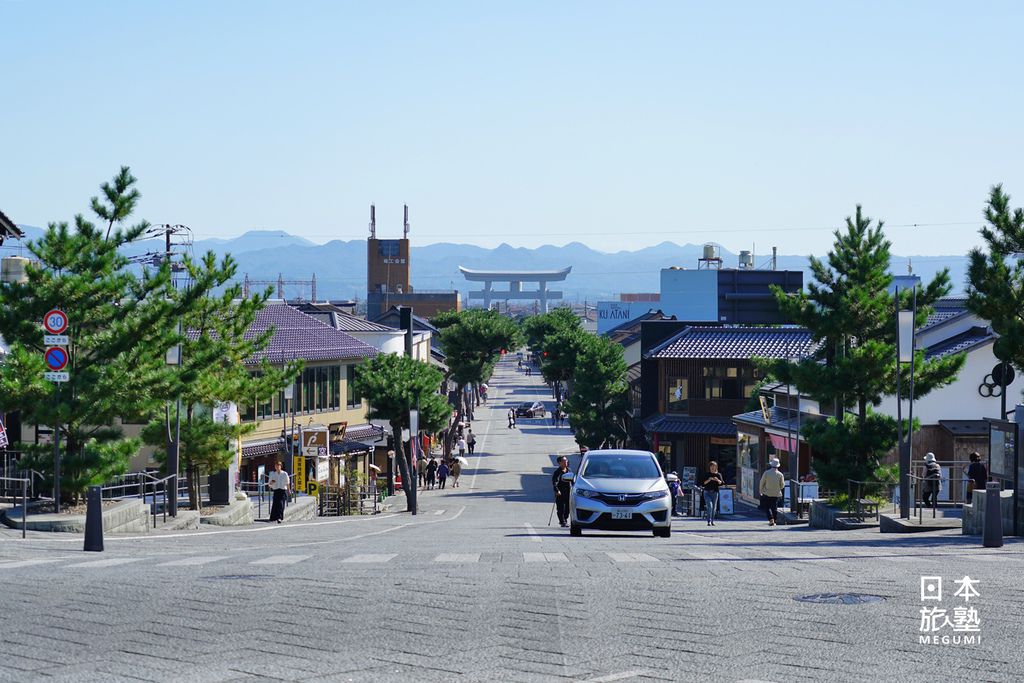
{"points": [[977, 476], [932, 480], [529, 371], [456, 472], [280, 483], [483, 393], [431, 472], [442, 474], [674, 489], [471, 441], [772, 485], [511, 418], [711, 483], [461, 445], [562, 490], [421, 470]]}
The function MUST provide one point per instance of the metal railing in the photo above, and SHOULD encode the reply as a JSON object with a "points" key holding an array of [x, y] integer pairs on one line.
{"points": [[142, 485], [257, 490], [24, 481], [934, 486]]}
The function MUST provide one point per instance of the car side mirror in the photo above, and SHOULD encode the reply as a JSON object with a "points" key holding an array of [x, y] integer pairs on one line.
{"points": [[569, 477], [671, 477]]}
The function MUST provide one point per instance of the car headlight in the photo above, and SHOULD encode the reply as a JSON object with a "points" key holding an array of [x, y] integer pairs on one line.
{"points": [[654, 495], [586, 493]]}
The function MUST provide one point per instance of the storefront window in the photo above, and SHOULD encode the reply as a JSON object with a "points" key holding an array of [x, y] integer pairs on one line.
{"points": [[678, 399]]}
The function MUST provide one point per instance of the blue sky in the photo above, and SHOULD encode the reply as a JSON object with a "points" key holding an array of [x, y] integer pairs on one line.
{"points": [[617, 124]]}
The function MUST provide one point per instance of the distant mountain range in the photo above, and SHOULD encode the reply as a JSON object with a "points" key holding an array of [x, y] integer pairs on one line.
{"points": [[340, 266]]}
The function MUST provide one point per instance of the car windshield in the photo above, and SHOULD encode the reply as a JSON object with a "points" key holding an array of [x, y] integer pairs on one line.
{"points": [[620, 467], [525, 405]]}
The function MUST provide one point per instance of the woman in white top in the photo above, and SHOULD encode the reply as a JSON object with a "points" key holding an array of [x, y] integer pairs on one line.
{"points": [[772, 485]]}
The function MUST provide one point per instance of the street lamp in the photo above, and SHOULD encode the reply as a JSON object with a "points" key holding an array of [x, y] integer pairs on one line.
{"points": [[906, 336], [174, 442]]}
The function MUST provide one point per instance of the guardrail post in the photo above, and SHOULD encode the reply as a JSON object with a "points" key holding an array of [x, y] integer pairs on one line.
{"points": [[93, 520], [24, 507], [992, 533]]}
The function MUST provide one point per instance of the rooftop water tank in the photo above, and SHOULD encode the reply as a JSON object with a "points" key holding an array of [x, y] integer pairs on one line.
{"points": [[13, 269]]}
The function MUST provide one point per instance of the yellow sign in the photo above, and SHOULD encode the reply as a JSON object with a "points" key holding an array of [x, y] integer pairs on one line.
{"points": [[312, 488], [298, 473], [765, 412]]}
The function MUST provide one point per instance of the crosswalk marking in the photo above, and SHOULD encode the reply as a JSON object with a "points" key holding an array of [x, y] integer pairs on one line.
{"points": [[14, 564], [464, 558], [532, 532], [193, 561], [95, 564], [545, 557], [282, 559], [700, 553], [632, 557], [784, 553], [369, 558]]}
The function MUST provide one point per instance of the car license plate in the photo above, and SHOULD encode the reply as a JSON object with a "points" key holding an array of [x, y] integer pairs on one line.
{"points": [[622, 514]]}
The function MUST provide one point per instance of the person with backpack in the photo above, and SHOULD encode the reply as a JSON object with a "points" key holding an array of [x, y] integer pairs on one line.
{"points": [[932, 480], [471, 442], [773, 484]]}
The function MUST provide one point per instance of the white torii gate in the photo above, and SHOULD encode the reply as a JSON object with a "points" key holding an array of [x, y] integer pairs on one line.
{"points": [[515, 280]]}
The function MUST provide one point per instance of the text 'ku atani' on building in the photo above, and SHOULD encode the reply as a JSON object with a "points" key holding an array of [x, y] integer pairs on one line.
{"points": [[695, 378]]}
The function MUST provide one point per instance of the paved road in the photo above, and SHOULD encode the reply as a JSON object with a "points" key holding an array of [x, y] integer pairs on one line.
{"points": [[478, 587]]}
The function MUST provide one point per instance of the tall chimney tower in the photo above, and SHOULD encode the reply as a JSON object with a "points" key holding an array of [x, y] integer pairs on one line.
{"points": [[405, 225], [373, 222]]}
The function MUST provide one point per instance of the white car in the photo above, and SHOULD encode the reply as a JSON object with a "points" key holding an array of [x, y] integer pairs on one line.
{"points": [[619, 490]]}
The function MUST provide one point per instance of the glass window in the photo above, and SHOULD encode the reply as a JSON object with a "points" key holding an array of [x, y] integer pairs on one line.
{"points": [[729, 382], [308, 394], [678, 399], [321, 388], [333, 388], [352, 401]]}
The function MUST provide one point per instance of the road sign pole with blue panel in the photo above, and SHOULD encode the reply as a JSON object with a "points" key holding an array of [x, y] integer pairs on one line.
{"points": [[55, 322]]}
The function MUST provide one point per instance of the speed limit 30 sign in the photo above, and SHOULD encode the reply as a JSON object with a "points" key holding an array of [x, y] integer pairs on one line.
{"points": [[55, 321]]}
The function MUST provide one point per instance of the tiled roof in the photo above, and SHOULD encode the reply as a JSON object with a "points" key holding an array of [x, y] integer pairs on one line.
{"points": [[964, 341], [348, 446], [945, 309], [736, 343], [965, 427], [297, 335], [367, 432], [781, 419], [343, 321], [8, 228], [687, 424], [261, 447]]}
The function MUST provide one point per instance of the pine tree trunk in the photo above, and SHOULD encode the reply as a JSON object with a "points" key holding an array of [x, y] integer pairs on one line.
{"points": [[190, 478]]}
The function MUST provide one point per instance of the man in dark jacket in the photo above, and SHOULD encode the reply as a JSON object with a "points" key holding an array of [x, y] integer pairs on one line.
{"points": [[562, 490]]}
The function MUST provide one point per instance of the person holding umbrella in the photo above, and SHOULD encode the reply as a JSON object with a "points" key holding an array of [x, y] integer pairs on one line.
{"points": [[456, 470]]}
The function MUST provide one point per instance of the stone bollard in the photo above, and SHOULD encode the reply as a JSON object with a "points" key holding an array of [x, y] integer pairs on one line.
{"points": [[93, 520], [992, 533]]}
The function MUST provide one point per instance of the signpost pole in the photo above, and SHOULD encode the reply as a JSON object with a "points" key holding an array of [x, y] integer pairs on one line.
{"points": [[56, 449]]}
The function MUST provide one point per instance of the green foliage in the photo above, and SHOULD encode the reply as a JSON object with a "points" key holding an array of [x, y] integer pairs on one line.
{"points": [[561, 356], [599, 404], [120, 329], [996, 278], [472, 341], [537, 328], [851, 315], [393, 385], [216, 366]]}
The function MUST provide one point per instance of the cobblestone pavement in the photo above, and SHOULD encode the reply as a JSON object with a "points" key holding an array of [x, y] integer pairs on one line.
{"points": [[478, 587]]}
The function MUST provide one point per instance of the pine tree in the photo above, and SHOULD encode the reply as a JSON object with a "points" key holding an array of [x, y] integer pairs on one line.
{"points": [[996, 279], [393, 385], [121, 325], [599, 403], [851, 316], [472, 342], [216, 366]]}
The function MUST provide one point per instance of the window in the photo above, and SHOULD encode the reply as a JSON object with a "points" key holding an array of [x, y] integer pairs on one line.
{"points": [[334, 388], [321, 388], [677, 400], [351, 400], [729, 382], [388, 248]]}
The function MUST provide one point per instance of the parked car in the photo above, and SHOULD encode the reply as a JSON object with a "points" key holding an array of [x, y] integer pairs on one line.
{"points": [[535, 409], [619, 490]]}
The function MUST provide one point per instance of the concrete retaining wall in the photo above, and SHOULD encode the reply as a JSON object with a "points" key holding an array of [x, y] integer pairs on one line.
{"points": [[974, 514], [238, 513], [127, 517]]}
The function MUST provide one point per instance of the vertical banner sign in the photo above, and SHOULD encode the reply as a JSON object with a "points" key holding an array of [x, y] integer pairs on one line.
{"points": [[298, 473], [3, 434]]}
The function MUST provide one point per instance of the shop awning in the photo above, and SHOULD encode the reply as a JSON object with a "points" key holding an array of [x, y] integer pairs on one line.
{"points": [[784, 443]]}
